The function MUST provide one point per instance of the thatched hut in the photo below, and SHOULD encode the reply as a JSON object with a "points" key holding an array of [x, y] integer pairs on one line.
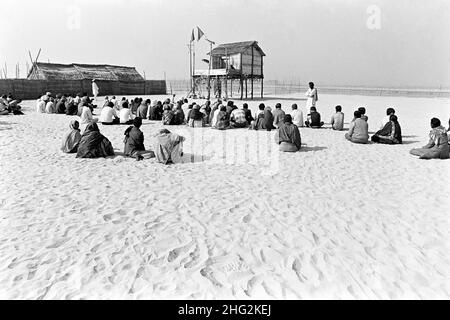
{"points": [[73, 71]]}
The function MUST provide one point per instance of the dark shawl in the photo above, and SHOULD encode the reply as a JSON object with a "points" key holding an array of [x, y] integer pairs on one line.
{"points": [[134, 141], [178, 116], [196, 115], [153, 113], [223, 120], [387, 131], [248, 115], [168, 117], [267, 122], [315, 119], [288, 132], [93, 144], [60, 107]]}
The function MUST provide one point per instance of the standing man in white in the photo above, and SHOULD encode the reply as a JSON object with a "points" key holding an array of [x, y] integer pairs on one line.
{"points": [[311, 95], [95, 89]]}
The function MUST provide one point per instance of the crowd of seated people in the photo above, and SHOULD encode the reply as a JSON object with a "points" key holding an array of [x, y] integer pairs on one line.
{"points": [[10, 105], [217, 116]]}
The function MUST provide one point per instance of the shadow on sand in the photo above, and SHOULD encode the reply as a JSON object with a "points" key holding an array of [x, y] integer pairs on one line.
{"points": [[307, 149]]}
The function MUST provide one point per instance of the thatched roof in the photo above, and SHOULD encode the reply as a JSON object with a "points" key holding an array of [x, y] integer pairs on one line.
{"points": [[75, 71], [235, 47]]}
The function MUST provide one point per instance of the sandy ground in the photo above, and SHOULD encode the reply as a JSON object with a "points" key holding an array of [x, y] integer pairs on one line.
{"points": [[336, 220]]}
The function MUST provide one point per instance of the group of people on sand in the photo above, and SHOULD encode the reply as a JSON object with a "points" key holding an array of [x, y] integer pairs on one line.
{"points": [[10, 105], [91, 143], [217, 116]]}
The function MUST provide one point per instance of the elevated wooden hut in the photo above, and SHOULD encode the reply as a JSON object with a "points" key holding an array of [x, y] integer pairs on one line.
{"points": [[241, 61]]}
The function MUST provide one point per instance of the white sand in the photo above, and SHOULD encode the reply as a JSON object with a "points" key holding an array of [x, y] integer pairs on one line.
{"points": [[338, 220]]}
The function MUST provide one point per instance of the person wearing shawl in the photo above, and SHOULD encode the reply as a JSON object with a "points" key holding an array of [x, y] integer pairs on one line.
{"points": [[71, 107], [195, 118], [72, 138], [61, 105], [50, 106], [134, 140], [390, 134], [40, 105], [154, 111], [178, 114], [168, 147], [358, 131], [288, 136], [238, 119], [437, 147], [206, 109], [214, 113], [142, 110], [223, 119], [168, 115], [267, 121], [386, 119], [248, 113], [93, 144]]}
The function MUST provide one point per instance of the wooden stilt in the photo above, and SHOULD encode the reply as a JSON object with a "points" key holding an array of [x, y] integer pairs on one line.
{"points": [[241, 83], [251, 84], [246, 91]]}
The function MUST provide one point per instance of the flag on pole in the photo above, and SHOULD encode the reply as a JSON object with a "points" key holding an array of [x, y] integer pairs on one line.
{"points": [[200, 33], [192, 35]]}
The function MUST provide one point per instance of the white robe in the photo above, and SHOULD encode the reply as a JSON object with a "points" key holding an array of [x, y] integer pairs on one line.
{"points": [[95, 89], [311, 95]]}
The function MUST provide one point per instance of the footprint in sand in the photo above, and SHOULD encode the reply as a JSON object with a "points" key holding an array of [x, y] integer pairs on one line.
{"points": [[247, 218], [175, 253]]}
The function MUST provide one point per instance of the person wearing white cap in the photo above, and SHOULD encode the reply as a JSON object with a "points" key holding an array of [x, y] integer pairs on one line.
{"points": [[95, 89]]}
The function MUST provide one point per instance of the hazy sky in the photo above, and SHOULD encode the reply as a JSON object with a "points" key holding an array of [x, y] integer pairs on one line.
{"points": [[332, 42]]}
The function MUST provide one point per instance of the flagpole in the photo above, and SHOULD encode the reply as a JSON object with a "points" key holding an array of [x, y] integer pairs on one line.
{"points": [[193, 70], [190, 62]]}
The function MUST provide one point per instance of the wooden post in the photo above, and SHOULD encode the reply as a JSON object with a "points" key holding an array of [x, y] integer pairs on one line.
{"points": [[231, 87], [226, 87], [209, 70], [246, 88], [241, 83], [253, 58]]}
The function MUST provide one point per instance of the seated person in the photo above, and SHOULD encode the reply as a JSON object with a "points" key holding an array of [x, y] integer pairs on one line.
{"points": [[125, 114], [313, 119], [13, 105], [363, 113], [288, 136], [238, 119], [278, 115], [154, 111], [390, 134], [134, 140], [168, 147], [168, 115], [206, 110], [437, 147], [297, 116], [71, 107], [387, 118], [359, 130], [195, 117], [72, 138], [86, 114], [142, 110], [264, 119], [337, 119], [3, 108], [50, 106], [108, 115], [223, 119], [40, 105], [178, 116], [248, 113], [93, 144], [61, 105]]}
